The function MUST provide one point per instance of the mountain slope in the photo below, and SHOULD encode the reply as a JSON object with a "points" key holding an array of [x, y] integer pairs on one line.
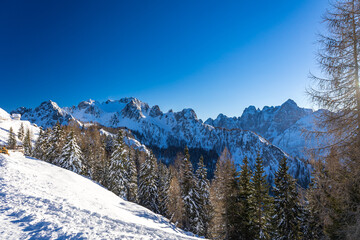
{"points": [[152, 127], [42, 201], [285, 126]]}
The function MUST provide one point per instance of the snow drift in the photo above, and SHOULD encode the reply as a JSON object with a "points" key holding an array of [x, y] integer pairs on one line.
{"points": [[42, 201]]}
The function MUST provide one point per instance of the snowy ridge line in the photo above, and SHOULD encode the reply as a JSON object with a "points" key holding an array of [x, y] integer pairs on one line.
{"points": [[152, 127], [41, 200]]}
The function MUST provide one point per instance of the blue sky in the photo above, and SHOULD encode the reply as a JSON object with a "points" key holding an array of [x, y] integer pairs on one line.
{"points": [[213, 56]]}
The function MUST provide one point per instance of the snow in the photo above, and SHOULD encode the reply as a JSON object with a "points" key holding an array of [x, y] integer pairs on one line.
{"points": [[4, 115], [5, 125], [42, 201]]}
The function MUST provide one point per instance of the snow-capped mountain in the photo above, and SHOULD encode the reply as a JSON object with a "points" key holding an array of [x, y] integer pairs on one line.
{"points": [[39, 200], [286, 126], [152, 127], [45, 115]]}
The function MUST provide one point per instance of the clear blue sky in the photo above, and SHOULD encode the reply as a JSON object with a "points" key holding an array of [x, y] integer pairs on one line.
{"points": [[213, 56]]}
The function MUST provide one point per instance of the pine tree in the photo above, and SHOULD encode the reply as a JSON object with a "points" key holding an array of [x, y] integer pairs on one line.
{"points": [[163, 185], [189, 194], [55, 143], [286, 205], [21, 132], [117, 171], [27, 143], [71, 157], [203, 186], [12, 139], [245, 213], [148, 191], [261, 203]]}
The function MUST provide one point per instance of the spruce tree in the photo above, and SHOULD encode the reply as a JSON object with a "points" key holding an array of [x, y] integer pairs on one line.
{"points": [[189, 194], [163, 184], [131, 178], [245, 212], [55, 142], [117, 171], [205, 209], [286, 205], [27, 143], [71, 157], [261, 203], [148, 191], [39, 151], [12, 139], [21, 132], [312, 226]]}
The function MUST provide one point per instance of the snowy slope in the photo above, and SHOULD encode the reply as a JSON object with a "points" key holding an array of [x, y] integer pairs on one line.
{"points": [[6, 122], [42, 201], [285, 126]]}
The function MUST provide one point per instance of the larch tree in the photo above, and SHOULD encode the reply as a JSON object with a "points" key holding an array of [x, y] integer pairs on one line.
{"points": [[338, 90], [223, 192]]}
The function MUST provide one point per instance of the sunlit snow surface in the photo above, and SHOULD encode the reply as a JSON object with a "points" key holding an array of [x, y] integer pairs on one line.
{"points": [[41, 201]]}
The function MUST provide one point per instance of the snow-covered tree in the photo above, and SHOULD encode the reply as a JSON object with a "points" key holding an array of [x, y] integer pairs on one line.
{"points": [[245, 213], [55, 142], [117, 170], [261, 202], [12, 139], [41, 145], [286, 205], [27, 143], [163, 182], [190, 195], [21, 132], [131, 177], [203, 186], [148, 191], [71, 156]]}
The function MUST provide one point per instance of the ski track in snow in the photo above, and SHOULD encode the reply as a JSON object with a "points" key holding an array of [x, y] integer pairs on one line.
{"points": [[41, 201]]}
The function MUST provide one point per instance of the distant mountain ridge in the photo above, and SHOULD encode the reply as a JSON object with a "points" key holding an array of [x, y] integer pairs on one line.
{"points": [[285, 126], [152, 127]]}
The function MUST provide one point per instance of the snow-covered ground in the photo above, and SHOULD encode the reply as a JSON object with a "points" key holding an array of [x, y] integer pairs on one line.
{"points": [[6, 122], [42, 201]]}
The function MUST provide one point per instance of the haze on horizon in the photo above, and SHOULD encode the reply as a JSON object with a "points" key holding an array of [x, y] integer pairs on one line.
{"points": [[215, 57]]}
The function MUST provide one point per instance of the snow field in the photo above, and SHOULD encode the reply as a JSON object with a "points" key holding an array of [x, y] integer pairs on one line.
{"points": [[42, 201]]}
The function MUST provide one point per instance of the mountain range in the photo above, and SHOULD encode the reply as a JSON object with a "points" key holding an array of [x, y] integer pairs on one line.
{"points": [[273, 132]]}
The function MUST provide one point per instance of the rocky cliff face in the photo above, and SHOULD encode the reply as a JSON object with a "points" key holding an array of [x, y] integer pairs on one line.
{"points": [[45, 115], [287, 126], [152, 127]]}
